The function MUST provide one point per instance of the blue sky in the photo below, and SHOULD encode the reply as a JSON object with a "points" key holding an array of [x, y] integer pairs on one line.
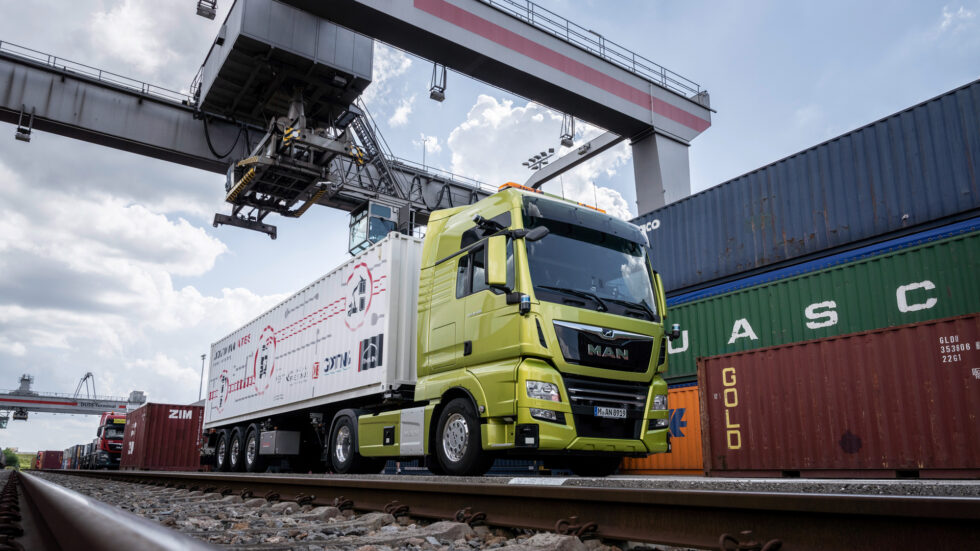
{"points": [[109, 263]]}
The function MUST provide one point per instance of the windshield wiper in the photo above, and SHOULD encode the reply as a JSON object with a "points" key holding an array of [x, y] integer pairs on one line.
{"points": [[636, 305], [577, 293]]}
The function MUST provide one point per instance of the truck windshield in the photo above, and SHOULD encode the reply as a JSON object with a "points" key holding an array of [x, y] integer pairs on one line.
{"points": [[589, 260], [113, 432]]}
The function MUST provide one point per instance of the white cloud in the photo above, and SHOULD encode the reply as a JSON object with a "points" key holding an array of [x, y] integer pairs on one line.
{"points": [[956, 21], [498, 136], [404, 109], [132, 32], [431, 143], [389, 63]]}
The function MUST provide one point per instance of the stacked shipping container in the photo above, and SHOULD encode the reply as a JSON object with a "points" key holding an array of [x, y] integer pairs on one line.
{"points": [[874, 229], [899, 174], [902, 400]]}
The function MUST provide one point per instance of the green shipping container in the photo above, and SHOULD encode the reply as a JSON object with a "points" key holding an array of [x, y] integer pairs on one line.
{"points": [[930, 281]]}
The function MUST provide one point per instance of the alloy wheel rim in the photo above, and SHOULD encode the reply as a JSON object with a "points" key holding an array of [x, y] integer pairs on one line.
{"points": [[455, 437], [342, 447], [222, 448], [250, 451]]}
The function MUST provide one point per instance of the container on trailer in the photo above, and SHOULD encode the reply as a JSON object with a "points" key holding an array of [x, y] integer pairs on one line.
{"points": [[48, 459], [896, 174], [163, 437], [932, 280], [685, 455], [349, 334], [901, 401]]}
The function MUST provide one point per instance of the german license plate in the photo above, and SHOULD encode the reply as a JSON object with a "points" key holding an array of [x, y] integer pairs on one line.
{"points": [[615, 413]]}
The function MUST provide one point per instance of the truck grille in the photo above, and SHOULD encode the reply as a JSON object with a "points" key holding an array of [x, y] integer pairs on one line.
{"points": [[584, 395]]}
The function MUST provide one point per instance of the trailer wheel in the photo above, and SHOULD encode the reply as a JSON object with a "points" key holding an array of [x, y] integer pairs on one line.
{"points": [[254, 463], [458, 446], [236, 451], [221, 453]]}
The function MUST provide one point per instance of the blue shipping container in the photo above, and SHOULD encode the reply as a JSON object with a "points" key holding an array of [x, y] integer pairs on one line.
{"points": [[900, 173]]}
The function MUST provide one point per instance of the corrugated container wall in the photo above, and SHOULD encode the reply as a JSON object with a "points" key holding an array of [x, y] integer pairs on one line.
{"points": [[49, 459], [902, 401], [901, 172], [685, 457], [163, 437], [931, 281]]}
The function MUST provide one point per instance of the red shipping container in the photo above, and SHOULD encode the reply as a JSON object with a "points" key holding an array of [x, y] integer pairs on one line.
{"points": [[48, 460], [901, 401], [163, 437]]}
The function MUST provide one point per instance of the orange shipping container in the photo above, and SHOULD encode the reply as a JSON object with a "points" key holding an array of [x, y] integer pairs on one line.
{"points": [[685, 457]]}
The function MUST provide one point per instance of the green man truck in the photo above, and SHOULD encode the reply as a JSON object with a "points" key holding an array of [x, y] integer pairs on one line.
{"points": [[522, 326]]}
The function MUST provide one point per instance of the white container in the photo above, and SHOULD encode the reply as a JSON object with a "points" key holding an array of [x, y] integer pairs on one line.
{"points": [[351, 333]]}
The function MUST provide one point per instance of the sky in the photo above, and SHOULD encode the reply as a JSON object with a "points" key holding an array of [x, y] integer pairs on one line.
{"points": [[109, 262]]}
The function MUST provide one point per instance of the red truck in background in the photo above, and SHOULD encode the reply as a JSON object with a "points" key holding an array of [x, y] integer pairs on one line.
{"points": [[107, 447]]}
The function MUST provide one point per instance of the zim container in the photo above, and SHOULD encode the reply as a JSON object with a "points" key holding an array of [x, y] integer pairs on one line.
{"points": [[163, 437], [902, 401], [49, 459], [893, 175], [685, 456], [929, 281]]}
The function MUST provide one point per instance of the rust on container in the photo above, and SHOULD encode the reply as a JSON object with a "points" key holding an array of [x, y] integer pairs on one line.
{"points": [[163, 437], [685, 456], [902, 401]]}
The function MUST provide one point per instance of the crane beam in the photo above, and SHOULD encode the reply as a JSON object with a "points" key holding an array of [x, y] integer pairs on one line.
{"points": [[527, 50]]}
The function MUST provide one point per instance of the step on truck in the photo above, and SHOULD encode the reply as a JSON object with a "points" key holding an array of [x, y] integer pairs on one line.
{"points": [[523, 326]]}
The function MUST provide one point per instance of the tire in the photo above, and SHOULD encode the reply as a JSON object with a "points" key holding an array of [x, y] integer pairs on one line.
{"points": [[343, 450], [221, 453], [459, 449], [433, 465], [595, 466], [236, 452], [254, 463]]}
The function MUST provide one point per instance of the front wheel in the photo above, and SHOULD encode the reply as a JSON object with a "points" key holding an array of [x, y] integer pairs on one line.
{"points": [[458, 446]]}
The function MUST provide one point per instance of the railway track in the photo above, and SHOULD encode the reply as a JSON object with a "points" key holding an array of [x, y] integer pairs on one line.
{"points": [[702, 519]]}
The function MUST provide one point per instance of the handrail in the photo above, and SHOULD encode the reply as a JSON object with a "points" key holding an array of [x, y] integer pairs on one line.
{"points": [[598, 45], [14, 394], [101, 75]]}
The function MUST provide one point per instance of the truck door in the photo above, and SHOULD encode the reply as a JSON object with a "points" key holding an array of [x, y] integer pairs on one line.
{"points": [[491, 328]]}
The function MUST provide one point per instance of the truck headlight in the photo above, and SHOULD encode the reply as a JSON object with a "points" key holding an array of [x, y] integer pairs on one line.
{"points": [[659, 401], [543, 391]]}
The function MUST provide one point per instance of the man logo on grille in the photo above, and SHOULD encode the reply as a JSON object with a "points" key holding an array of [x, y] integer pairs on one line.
{"points": [[370, 353]]}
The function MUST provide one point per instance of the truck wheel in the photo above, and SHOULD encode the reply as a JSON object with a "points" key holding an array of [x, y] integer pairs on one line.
{"points": [[343, 450], [458, 447], [254, 463], [595, 466], [236, 452], [221, 453]]}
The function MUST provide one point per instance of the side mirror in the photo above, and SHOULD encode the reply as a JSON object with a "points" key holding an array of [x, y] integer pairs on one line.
{"points": [[497, 261], [537, 233], [675, 332]]}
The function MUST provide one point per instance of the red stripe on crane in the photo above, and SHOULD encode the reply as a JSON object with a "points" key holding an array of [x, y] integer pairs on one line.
{"points": [[513, 41]]}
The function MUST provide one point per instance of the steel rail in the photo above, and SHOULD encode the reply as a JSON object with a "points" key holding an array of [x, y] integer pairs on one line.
{"points": [[681, 518], [64, 519]]}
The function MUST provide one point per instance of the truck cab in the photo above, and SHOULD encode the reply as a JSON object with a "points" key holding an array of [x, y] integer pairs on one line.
{"points": [[540, 334], [107, 446]]}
